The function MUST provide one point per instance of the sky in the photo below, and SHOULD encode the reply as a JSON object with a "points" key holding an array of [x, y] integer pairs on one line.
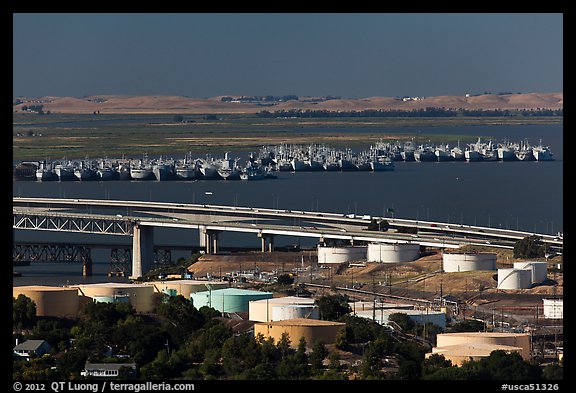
{"points": [[351, 55]]}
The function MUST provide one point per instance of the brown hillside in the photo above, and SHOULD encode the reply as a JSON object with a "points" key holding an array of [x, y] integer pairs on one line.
{"points": [[184, 105]]}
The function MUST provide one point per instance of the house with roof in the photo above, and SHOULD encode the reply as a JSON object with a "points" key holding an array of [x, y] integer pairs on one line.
{"points": [[31, 348], [106, 370]]}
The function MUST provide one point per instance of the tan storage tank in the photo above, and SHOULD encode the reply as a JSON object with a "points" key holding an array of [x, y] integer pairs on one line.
{"points": [[495, 339], [538, 269], [186, 287], [141, 296], [327, 255], [51, 301], [312, 330], [263, 310], [514, 278], [465, 262], [393, 252]]}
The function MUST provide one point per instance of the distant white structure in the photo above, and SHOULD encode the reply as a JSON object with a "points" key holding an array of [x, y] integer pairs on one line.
{"points": [[538, 270], [328, 255], [465, 262], [553, 308], [514, 278], [393, 252]]}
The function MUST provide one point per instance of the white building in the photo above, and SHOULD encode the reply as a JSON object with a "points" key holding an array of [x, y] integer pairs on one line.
{"points": [[106, 370], [553, 308]]}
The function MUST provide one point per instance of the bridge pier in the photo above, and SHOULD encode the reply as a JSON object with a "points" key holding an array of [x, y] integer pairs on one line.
{"points": [[142, 250], [209, 240], [87, 267], [267, 242]]}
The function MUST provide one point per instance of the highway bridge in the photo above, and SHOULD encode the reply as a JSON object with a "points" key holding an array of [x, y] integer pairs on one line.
{"points": [[139, 218]]}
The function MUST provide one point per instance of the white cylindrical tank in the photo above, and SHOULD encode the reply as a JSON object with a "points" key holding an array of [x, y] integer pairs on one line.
{"points": [[464, 262], [539, 270], [393, 252], [514, 278], [341, 254], [291, 311]]}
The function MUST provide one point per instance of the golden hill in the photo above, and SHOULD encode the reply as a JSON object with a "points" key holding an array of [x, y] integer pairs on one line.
{"points": [[117, 104]]}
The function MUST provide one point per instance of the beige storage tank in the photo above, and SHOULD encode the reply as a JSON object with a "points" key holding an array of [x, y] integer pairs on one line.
{"points": [[538, 269], [141, 296], [186, 287], [393, 252], [514, 278], [312, 330], [328, 255], [51, 301], [262, 310], [515, 340], [465, 262]]}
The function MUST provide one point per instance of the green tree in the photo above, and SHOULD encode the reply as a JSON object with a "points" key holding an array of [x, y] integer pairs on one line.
{"points": [[319, 353], [530, 247], [553, 372], [23, 312], [403, 320], [468, 325], [434, 363], [332, 307]]}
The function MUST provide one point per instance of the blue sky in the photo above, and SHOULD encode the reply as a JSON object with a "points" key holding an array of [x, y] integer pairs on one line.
{"points": [[351, 55]]}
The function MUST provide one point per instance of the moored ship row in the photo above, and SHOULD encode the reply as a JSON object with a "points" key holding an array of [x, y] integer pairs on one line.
{"points": [[285, 158]]}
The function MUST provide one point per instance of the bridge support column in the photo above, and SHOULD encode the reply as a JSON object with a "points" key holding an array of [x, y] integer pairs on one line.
{"points": [[267, 242], [87, 267], [212, 242], [202, 235], [208, 240], [142, 250]]}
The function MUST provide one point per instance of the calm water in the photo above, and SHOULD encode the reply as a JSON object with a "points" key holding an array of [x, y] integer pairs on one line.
{"points": [[516, 195]]}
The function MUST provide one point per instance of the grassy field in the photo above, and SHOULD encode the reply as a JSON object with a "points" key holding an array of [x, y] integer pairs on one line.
{"points": [[76, 136]]}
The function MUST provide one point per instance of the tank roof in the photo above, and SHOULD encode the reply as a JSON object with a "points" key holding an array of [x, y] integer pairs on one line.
{"points": [[111, 285], [235, 291], [188, 282], [294, 300], [302, 322], [473, 349], [44, 288], [484, 334]]}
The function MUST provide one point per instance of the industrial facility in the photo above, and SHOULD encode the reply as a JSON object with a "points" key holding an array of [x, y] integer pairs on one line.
{"points": [[51, 301], [228, 300], [312, 330], [418, 316], [460, 347], [186, 287], [282, 308], [141, 296], [465, 262], [327, 255], [393, 253]]}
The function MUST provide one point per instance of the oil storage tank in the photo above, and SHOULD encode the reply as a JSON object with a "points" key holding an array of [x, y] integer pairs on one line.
{"points": [[312, 330], [393, 252], [186, 287], [293, 311], [514, 278], [341, 254], [51, 301], [538, 269], [141, 296], [228, 299], [283, 307], [465, 262]]}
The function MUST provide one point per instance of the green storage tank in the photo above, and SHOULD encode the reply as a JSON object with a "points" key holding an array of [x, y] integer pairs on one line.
{"points": [[228, 299]]}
